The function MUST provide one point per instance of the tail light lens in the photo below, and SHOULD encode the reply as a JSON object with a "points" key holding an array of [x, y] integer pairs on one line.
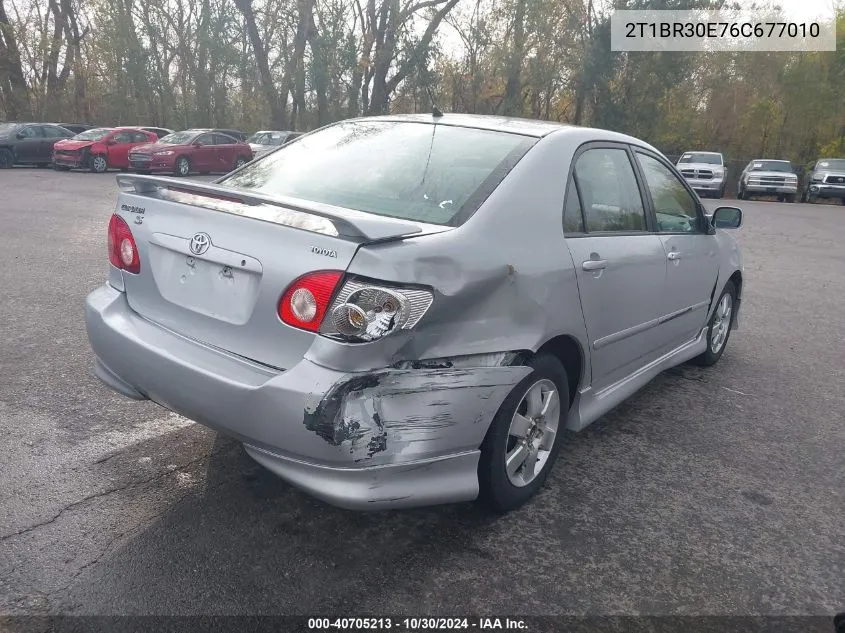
{"points": [[306, 300], [123, 252], [360, 311]]}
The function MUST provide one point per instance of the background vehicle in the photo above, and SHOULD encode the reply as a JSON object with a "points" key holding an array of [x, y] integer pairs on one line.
{"points": [[235, 134], [339, 266], [158, 131], [29, 143], [825, 180], [99, 149], [76, 128], [705, 172], [184, 152], [767, 177], [265, 141]]}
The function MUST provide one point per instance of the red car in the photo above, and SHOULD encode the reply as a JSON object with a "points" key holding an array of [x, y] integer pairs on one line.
{"points": [[184, 152], [100, 148]]}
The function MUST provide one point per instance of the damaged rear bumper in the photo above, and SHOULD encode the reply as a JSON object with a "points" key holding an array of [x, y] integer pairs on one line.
{"points": [[388, 438]]}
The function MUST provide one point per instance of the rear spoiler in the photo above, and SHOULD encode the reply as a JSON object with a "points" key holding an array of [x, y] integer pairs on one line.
{"points": [[311, 216]]}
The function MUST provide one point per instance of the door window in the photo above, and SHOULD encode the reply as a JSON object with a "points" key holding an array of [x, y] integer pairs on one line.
{"points": [[122, 137], [609, 194], [222, 139], [33, 131], [675, 209], [205, 139], [53, 132]]}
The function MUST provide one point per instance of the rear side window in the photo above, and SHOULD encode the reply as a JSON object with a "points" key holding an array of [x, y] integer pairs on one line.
{"points": [[222, 139], [432, 173], [33, 131], [609, 193]]}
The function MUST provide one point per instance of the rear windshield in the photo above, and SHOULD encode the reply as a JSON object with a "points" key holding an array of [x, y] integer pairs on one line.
{"points": [[771, 165], [437, 174], [701, 157], [92, 135]]}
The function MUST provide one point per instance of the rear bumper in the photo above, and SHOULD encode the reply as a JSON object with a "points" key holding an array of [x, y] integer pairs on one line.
{"points": [[389, 438]]}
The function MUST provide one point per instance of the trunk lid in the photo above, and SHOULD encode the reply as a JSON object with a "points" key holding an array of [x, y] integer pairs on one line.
{"points": [[215, 261]]}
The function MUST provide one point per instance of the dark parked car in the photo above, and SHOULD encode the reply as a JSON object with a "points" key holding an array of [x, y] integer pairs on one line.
{"points": [[236, 134], [183, 152], [76, 128], [825, 180], [100, 148], [158, 131], [29, 143]]}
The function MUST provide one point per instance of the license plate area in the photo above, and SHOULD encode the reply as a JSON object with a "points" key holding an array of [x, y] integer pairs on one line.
{"points": [[215, 289], [771, 189]]}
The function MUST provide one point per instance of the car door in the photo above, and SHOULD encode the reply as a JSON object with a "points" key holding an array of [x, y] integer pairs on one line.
{"points": [[28, 147], [619, 261], [51, 134], [118, 148], [204, 153], [692, 265], [226, 148]]}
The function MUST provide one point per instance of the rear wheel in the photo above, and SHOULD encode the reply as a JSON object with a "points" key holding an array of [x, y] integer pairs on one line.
{"points": [[183, 166], [790, 198], [240, 161], [7, 159], [523, 440], [99, 164], [719, 327]]}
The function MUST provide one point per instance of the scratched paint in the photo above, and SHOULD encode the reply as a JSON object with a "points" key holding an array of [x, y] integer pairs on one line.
{"points": [[403, 414]]}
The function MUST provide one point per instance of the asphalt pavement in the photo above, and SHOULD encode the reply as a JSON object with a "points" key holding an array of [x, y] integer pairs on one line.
{"points": [[713, 491]]}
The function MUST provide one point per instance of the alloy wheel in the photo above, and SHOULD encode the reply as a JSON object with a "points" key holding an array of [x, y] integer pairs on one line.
{"points": [[184, 167], [721, 323], [99, 164], [532, 432]]}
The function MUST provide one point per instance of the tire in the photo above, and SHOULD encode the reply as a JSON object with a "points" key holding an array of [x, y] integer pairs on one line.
{"points": [[721, 193], [7, 159], [99, 164], [740, 194], [240, 161], [499, 490], [790, 199], [718, 330], [182, 166]]}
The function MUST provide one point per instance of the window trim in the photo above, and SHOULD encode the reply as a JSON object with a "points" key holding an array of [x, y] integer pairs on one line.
{"points": [[702, 225], [650, 224]]}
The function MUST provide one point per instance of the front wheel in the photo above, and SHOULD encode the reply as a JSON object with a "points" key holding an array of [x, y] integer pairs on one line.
{"points": [[183, 166], [719, 327], [523, 440], [99, 164], [7, 159], [790, 199]]}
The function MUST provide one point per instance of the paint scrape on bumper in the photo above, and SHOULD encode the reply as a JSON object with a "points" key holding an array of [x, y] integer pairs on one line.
{"points": [[405, 414]]}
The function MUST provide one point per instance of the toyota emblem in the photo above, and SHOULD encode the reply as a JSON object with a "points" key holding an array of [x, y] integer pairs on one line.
{"points": [[200, 243]]}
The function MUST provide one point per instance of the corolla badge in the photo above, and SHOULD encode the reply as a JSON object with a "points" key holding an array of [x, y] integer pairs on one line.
{"points": [[200, 243]]}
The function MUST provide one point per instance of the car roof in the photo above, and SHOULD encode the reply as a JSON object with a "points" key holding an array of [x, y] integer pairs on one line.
{"points": [[527, 127]]}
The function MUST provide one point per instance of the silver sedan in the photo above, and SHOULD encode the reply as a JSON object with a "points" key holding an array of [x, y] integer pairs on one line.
{"points": [[410, 310]]}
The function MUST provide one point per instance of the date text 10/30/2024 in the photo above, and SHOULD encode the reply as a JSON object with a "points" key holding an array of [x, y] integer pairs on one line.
{"points": [[416, 624]]}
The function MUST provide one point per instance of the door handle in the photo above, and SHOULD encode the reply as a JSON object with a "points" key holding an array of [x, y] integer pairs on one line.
{"points": [[594, 264], [674, 255]]}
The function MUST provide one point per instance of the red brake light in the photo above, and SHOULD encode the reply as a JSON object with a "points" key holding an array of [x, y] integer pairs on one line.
{"points": [[123, 252], [306, 300]]}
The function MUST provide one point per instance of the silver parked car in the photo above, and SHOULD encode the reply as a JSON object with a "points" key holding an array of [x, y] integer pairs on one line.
{"points": [[265, 141], [766, 177], [418, 330], [705, 172]]}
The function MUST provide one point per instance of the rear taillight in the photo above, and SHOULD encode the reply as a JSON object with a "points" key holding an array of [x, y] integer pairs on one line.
{"points": [[306, 300], [123, 252]]}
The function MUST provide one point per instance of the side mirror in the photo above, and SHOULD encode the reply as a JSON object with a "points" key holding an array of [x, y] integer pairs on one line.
{"points": [[727, 218], [111, 142]]}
